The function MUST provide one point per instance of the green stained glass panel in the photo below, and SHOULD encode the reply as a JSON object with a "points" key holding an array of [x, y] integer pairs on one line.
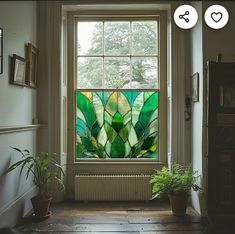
{"points": [[108, 148], [82, 128], [118, 148], [132, 137], [111, 133], [80, 115], [108, 118], [87, 143], [137, 106], [86, 107], [117, 124], [102, 137], [123, 104], [151, 104], [147, 95], [127, 117], [98, 107], [148, 143], [104, 96], [131, 96], [125, 132], [112, 104], [95, 130], [127, 149], [153, 127]]}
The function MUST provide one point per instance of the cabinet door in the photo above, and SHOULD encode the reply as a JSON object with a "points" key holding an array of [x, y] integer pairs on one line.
{"points": [[221, 141]]}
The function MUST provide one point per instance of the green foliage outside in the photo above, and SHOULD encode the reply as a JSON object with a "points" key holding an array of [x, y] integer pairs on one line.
{"points": [[121, 39]]}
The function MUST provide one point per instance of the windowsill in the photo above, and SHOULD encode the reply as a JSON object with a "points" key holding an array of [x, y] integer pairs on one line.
{"points": [[117, 162]]}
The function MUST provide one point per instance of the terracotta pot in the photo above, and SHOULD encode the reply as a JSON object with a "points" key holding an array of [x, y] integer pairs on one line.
{"points": [[41, 205], [178, 203]]}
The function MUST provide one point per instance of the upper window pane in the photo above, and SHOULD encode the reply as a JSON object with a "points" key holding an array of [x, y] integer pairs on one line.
{"points": [[116, 38], [90, 72], [144, 73], [117, 73], [144, 38], [90, 38], [117, 53]]}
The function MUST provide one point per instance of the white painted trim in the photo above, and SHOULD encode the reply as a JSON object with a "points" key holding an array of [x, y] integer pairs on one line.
{"points": [[21, 128], [16, 209], [177, 91], [163, 81], [118, 162], [74, 6]]}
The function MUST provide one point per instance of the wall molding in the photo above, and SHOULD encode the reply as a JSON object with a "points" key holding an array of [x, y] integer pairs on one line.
{"points": [[21, 128], [15, 210]]}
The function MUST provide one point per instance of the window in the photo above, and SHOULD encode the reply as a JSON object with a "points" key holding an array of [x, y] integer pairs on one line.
{"points": [[117, 89], [117, 54]]}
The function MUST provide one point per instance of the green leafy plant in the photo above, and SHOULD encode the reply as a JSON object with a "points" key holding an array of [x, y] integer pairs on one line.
{"points": [[44, 169], [177, 181]]}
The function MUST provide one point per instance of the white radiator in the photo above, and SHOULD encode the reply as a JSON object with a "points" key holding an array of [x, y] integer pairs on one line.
{"points": [[112, 187]]}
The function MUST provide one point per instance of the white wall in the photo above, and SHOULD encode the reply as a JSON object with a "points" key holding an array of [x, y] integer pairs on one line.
{"points": [[220, 41], [206, 44], [17, 108], [197, 107]]}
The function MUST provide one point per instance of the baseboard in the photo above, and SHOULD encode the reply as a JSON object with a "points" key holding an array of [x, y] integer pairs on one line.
{"points": [[11, 213]]}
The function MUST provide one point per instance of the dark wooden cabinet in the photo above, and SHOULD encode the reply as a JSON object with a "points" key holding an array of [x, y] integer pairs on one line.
{"points": [[221, 142]]}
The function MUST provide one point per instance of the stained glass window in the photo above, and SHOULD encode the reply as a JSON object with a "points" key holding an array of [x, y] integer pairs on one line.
{"points": [[117, 124]]}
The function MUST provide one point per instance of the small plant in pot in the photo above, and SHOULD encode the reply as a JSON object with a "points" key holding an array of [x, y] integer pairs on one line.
{"points": [[176, 184], [44, 170]]}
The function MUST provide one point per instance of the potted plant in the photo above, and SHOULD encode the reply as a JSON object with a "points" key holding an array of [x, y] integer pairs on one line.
{"points": [[44, 170], [176, 184]]}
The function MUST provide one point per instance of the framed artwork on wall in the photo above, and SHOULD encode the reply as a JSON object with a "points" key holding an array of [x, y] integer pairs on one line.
{"points": [[195, 87], [18, 70], [227, 96], [32, 65], [1, 50]]}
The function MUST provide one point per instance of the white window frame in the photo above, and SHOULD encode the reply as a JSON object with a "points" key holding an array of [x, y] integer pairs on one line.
{"points": [[72, 75]]}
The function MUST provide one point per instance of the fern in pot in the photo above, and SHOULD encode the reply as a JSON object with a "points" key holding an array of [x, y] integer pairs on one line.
{"points": [[176, 184], [44, 170]]}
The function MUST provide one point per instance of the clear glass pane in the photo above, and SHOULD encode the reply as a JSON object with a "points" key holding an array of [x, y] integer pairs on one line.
{"points": [[116, 38], [90, 41], [144, 73], [144, 38], [117, 72], [89, 73]]}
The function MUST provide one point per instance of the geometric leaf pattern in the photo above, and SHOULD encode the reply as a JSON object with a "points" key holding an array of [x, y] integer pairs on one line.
{"points": [[117, 124]]}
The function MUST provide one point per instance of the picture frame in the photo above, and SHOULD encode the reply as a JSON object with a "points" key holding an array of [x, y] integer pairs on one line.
{"points": [[195, 87], [18, 70], [1, 51], [32, 65], [227, 96]]}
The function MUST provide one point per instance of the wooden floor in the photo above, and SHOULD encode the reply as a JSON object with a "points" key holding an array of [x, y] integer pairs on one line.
{"points": [[114, 218]]}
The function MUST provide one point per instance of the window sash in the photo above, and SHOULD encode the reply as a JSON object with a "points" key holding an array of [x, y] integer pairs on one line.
{"points": [[161, 15], [120, 18]]}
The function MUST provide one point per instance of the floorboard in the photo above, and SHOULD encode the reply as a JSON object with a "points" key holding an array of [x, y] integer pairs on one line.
{"points": [[113, 218]]}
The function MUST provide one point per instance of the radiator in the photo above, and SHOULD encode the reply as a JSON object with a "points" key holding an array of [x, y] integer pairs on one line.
{"points": [[112, 187]]}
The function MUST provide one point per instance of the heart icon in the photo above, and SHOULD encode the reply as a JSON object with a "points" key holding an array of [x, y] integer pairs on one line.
{"points": [[216, 16]]}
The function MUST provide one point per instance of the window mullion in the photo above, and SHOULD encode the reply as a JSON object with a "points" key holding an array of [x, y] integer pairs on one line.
{"points": [[103, 57], [130, 50]]}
